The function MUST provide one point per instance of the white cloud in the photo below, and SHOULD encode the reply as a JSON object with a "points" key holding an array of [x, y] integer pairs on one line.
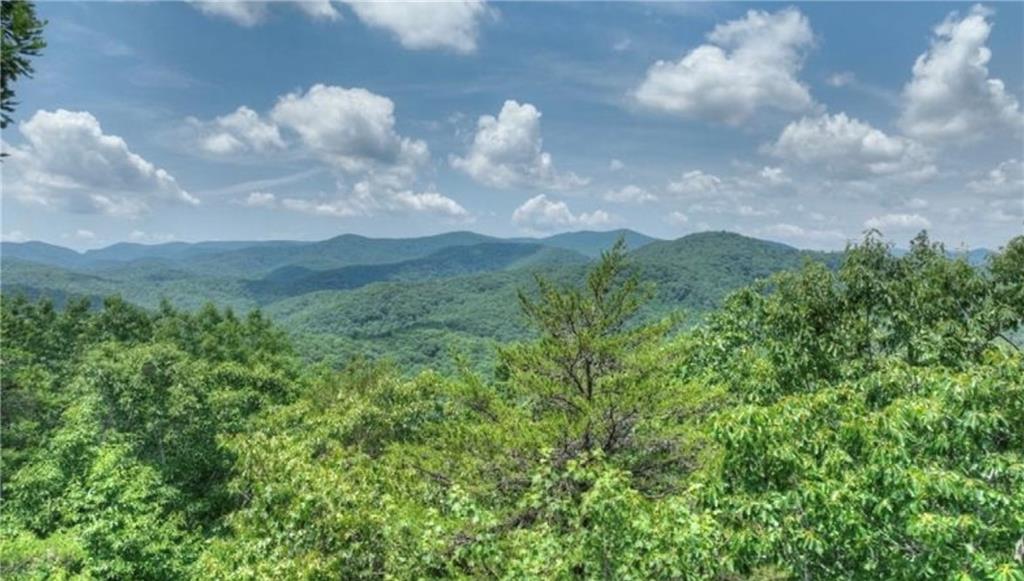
{"points": [[841, 79], [1007, 210], [696, 183], [749, 64], [429, 202], [1005, 178], [774, 176], [917, 203], [334, 208], [951, 96], [365, 200], [803, 237], [81, 234], [246, 13], [677, 218], [69, 162], [750, 211], [851, 148], [240, 131], [249, 13], [507, 151], [14, 236], [260, 200], [350, 129], [452, 25], [539, 214], [898, 222], [616, 165], [151, 238], [319, 9], [353, 132], [630, 194]]}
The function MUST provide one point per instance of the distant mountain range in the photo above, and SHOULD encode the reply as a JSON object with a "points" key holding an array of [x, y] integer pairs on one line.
{"points": [[406, 299]]}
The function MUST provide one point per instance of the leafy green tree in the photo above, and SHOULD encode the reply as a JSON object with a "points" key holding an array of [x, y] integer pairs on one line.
{"points": [[590, 381], [22, 39]]}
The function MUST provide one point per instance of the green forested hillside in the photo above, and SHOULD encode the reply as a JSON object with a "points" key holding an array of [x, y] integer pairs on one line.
{"points": [[40, 253], [454, 290], [592, 244], [859, 422], [450, 261]]}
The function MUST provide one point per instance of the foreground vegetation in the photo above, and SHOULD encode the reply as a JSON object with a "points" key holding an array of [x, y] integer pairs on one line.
{"points": [[865, 422]]}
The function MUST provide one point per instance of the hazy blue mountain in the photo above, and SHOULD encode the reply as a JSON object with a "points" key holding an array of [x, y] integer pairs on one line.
{"points": [[591, 243], [344, 250], [974, 256], [131, 251], [449, 261], [42, 253], [407, 299]]}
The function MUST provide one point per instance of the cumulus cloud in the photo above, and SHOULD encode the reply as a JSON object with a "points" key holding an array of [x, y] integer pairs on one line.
{"points": [[539, 214], [841, 79], [14, 236], [260, 200], [629, 194], [151, 237], [319, 9], [950, 95], [240, 131], [1005, 178], [249, 13], [677, 218], [81, 234], [774, 176], [803, 237], [430, 202], [365, 200], [917, 203], [851, 148], [241, 12], [897, 222], [750, 211], [68, 161], [749, 64], [427, 25], [616, 165], [350, 129], [507, 151], [695, 183]]}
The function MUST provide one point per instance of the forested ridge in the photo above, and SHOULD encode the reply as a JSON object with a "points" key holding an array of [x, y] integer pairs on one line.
{"points": [[409, 300], [865, 422]]}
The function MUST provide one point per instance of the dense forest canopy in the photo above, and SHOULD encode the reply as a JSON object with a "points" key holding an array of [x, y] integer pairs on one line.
{"points": [[865, 421], [408, 300]]}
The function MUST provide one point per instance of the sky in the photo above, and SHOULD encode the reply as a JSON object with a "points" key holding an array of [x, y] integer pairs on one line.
{"points": [[808, 124]]}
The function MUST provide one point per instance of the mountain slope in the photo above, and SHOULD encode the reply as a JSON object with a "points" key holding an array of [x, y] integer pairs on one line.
{"points": [[413, 322], [344, 250], [456, 288], [41, 253], [589, 243], [447, 262], [697, 270]]}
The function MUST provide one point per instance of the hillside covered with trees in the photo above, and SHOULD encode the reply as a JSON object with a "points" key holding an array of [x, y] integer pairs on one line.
{"points": [[860, 416], [408, 300]]}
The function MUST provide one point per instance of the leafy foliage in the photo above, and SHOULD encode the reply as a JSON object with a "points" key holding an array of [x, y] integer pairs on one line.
{"points": [[862, 422], [22, 39]]}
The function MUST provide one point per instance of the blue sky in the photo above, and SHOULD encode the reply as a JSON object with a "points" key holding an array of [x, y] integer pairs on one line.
{"points": [[803, 123]]}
